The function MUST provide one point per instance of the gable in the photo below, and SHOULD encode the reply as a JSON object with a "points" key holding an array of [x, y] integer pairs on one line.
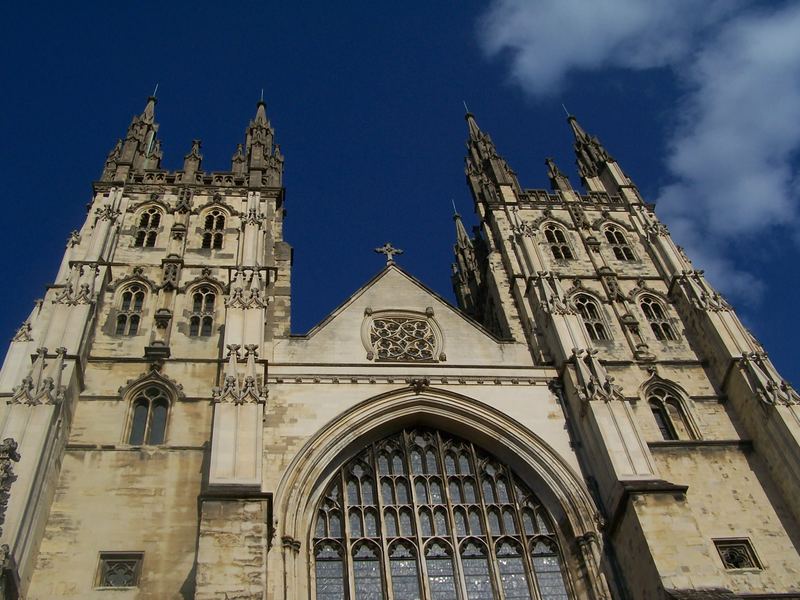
{"points": [[397, 300]]}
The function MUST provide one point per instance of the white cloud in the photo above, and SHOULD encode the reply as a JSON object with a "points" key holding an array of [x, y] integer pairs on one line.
{"points": [[731, 156]]}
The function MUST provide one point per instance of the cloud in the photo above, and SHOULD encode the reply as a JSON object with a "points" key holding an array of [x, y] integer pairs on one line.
{"points": [[733, 155]]}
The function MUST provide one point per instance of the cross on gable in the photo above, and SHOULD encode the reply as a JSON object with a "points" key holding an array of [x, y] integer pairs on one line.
{"points": [[389, 251]]}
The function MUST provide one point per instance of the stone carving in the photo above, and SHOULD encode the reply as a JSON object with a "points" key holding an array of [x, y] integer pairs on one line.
{"points": [[107, 213], [79, 286], [37, 388], [238, 389], [701, 294], [246, 290], [8, 454], [766, 381], [402, 338], [594, 381], [23, 333], [553, 297], [74, 239], [170, 274]]}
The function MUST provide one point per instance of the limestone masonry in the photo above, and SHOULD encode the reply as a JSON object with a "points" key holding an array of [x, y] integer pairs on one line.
{"points": [[592, 421]]}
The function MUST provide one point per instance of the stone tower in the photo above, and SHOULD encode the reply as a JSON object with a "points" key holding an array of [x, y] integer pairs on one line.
{"points": [[591, 422]]}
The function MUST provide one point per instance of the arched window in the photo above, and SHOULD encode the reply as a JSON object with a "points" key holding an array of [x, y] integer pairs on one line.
{"points": [[129, 316], [619, 244], [590, 314], [657, 317], [149, 417], [557, 241], [430, 516], [214, 229], [201, 322], [147, 230], [668, 414]]}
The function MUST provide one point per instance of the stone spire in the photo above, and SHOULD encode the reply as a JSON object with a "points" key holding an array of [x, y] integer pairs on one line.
{"points": [[487, 172], [139, 151], [558, 181], [590, 156], [263, 159]]}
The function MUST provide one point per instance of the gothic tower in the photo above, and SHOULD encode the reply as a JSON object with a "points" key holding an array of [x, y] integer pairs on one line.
{"points": [[591, 422], [687, 435]]}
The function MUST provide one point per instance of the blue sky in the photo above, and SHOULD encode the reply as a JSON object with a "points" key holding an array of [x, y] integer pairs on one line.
{"points": [[698, 101]]}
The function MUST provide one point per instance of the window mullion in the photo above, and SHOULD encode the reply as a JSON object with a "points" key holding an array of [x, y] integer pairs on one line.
{"points": [[346, 540], [494, 568], [377, 493], [415, 506], [458, 569]]}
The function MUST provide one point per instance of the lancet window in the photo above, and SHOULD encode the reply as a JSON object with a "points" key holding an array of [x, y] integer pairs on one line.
{"points": [[669, 414], [147, 230], [657, 317], [129, 316], [426, 515], [149, 417], [592, 320], [557, 240], [201, 321], [619, 244], [214, 229]]}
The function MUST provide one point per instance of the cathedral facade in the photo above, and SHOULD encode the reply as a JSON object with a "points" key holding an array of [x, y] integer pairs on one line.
{"points": [[592, 421]]}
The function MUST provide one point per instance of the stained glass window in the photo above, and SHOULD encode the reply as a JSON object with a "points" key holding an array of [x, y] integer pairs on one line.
{"points": [[427, 515]]}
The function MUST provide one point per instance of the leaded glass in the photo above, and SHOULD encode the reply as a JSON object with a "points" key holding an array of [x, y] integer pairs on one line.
{"points": [[405, 573], [477, 580], [433, 544], [441, 578], [367, 573], [547, 568]]}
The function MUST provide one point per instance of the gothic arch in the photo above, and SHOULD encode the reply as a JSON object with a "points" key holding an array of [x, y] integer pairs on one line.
{"points": [[217, 201], [533, 460], [678, 393]]}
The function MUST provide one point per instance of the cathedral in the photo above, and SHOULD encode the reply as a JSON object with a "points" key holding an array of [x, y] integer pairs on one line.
{"points": [[592, 421]]}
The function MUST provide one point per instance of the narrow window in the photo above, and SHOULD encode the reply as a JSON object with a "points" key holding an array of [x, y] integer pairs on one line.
{"points": [[404, 571], [149, 417], [367, 572], [512, 571], [547, 570], [657, 317], [441, 578], [214, 229], [329, 571], [119, 569], [201, 321], [591, 318], [129, 314], [669, 415], [619, 244], [147, 230], [557, 241]]}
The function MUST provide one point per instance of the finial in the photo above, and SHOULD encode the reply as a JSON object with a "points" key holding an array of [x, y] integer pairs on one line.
{"points": [[466, 108], [261, 98], [389, 251], [155, 91], [565, 110], [455, 210]]}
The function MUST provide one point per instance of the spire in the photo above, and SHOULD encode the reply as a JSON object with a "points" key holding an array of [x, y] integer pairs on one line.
{"points": [[486, 170], [140, 150], [462, 238], [262, 157], [589, 152], [558, 181], [474, 131]]}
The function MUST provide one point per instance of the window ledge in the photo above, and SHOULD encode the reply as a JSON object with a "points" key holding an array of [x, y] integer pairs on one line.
{"points": [[665, 444]]}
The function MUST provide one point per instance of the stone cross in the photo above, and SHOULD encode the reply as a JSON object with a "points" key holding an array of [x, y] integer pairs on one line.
{"points": [[389, 251]]}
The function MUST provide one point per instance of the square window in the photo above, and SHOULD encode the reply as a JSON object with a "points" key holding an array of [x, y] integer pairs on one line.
{"points": [[737, 554], [119, 569]]}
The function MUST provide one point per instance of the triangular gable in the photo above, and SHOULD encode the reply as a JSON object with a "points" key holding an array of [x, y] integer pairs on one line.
{"points": [[344, 336]]}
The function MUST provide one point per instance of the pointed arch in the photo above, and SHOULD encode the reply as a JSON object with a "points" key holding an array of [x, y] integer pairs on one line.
{"points": [[537, 465], [669, 402]]}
